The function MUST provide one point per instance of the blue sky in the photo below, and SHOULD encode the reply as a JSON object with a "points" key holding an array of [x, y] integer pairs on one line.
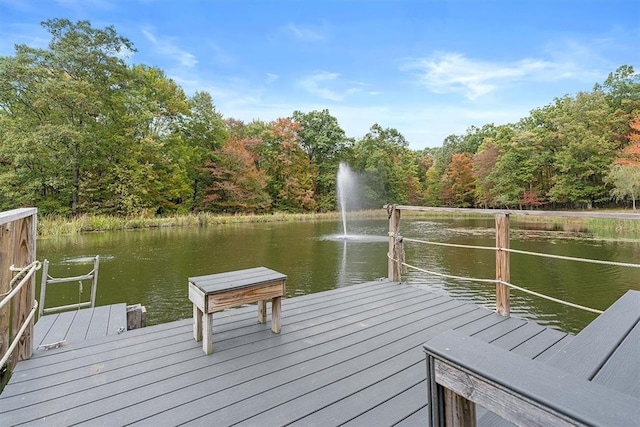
{"points": [[427, 68]]}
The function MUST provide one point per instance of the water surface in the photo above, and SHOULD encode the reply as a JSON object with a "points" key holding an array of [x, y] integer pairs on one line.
{"points": [[151, 267]]}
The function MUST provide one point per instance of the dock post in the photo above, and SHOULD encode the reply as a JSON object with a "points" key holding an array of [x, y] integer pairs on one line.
{"points": [[18, 249], [503, 305], [394, 230]]}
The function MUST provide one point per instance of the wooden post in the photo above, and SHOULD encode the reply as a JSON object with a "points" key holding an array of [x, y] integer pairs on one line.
{"points": [[24, 253], [394, 230], [6, 259], [17, 248], [503, 305]]}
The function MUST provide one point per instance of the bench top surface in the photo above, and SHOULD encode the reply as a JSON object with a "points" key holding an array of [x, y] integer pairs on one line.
{"points": [[221, 282]]}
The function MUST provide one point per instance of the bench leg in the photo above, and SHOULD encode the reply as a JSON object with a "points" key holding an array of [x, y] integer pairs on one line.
{"points": [[207, 333], [276, 310], [197, 323], [262, 311]]}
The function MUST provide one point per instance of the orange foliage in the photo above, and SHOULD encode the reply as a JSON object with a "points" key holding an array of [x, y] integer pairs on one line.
{"points": [[630, 155]]}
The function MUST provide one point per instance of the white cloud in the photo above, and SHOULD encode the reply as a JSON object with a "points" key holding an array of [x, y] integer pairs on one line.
{"points": [[272, 77], [330, 86], [304, 34], [316, 85], [166, 46], [450, 72]]}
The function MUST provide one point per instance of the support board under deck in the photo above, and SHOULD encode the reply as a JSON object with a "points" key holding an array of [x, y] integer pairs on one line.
{"points": [[348, 356]]}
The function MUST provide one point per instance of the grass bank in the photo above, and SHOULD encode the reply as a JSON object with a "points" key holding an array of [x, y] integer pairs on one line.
{"points": [[56, 225]]}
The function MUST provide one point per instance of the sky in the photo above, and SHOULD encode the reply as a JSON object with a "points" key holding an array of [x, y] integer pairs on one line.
{"points": [[426, 68]]}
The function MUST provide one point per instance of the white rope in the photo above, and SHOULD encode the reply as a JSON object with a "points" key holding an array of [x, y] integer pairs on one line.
{"points": [[517, 251], [16, 339], [570, 304], [495, 281], [25, 273], [569, 258], [450, 276], [451, 245]]}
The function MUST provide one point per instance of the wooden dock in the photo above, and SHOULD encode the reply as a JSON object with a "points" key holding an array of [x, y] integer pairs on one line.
{"points": [[349, 356], [54, 330]]}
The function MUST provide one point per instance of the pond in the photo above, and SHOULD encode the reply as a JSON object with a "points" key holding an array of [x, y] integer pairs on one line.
{"points": [[151, 267]]}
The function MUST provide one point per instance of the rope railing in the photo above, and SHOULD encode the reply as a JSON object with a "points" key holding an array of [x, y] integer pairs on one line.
{"points": [[16, 339], [23, 275], [502, 282], [518, 251]]}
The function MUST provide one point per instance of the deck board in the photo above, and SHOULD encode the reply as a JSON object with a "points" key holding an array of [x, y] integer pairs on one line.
{"points": [[79, 325], [350, 355]]}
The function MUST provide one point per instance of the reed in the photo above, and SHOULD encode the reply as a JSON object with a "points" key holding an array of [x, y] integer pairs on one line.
{"points": [[57, 225]]}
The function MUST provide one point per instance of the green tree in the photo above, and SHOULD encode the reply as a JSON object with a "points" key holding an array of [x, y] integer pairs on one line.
{"points": [[324, 141], [55, 105], [389, 167], [625, 180], [205, 131], [586, 138]]}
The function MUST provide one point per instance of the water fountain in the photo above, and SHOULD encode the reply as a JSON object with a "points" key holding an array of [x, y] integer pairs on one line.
{"points": [[345, 188], [347, 193]]}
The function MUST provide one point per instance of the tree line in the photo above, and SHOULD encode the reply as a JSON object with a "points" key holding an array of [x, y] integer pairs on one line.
{"points": [[82, 131]]}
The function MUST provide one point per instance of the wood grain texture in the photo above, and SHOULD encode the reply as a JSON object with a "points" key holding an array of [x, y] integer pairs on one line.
{"points": [[522, 391], [503, 302]]}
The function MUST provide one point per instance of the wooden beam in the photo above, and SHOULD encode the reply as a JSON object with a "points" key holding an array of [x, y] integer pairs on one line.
{"points": [[563, 214], [24, 253], [6, 259], [394, 230], [503, 304]]}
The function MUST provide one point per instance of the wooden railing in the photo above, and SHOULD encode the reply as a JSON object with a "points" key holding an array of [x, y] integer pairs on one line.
{"points": [[502, 249], [17, 284]]}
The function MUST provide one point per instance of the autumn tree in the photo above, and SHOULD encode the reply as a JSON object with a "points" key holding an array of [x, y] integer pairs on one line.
{"points": [[483, 163], [624, 174], [291, 175], [234, 183], [324, 141], [458, 184]]}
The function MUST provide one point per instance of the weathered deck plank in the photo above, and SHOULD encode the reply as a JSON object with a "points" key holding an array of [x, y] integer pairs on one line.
{"points": [[79, 325], [350, 355]]}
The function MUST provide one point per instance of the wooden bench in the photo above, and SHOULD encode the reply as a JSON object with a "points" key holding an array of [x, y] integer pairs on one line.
{"points": [[217, 292], [593, 380]]}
